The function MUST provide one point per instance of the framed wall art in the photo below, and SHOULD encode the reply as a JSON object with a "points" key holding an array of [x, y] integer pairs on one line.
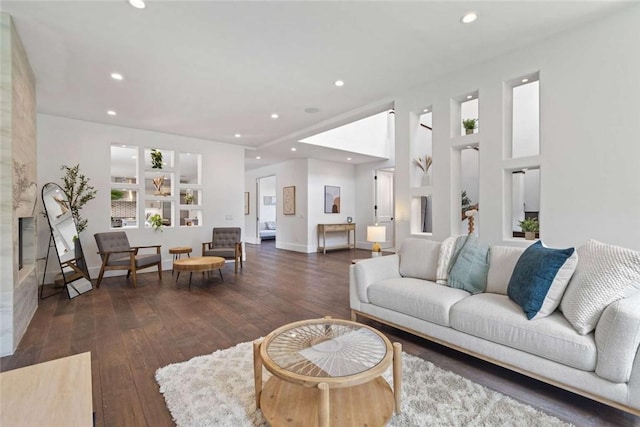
{"points": [[246, 203], [289, 200], [331, 199]]}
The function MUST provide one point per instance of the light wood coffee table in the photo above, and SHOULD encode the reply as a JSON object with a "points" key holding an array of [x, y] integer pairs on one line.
{"points": [[327, 372], [198, 264]]}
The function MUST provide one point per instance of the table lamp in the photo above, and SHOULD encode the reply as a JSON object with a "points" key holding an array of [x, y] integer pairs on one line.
{"points": [[376, 233]]}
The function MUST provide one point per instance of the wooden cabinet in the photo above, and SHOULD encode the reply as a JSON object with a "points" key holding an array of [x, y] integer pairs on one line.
{"points": [[347, 228]]}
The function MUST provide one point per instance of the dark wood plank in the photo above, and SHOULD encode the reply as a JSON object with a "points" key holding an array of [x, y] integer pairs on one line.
{"points": [[132, 332]]}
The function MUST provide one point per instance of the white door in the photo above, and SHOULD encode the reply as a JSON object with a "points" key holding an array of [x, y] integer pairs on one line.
{"points": [[384, 204]]}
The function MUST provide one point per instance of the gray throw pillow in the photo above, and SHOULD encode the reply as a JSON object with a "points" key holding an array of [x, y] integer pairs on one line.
{"points": [[469, 265]]}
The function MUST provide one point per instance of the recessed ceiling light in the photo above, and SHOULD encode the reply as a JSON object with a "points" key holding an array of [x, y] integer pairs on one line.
{"points": [[116, 76], [469, 18], [469, 96], [237, 135], [339, 83], [468, 146], [275, 116], [293, 148], [524, 80], [258, 157], [111, 113], [138, 4], [426, 110], [311, 110], [134, 157], [348, 158]]}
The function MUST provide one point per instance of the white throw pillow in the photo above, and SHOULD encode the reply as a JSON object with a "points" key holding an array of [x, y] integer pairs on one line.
{"points": [[605, 274], [502, 261], [419, 259], [444, 258]]}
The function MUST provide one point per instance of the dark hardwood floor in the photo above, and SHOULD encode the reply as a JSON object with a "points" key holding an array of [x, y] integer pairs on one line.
{"points": [[132, 332]]}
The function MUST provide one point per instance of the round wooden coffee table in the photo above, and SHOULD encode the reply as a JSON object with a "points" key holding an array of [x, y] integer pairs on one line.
{"points": [[327, 372], [198, 264]]}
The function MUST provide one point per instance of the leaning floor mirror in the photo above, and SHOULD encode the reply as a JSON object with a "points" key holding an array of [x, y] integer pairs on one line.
{"points": [[74, 275]]}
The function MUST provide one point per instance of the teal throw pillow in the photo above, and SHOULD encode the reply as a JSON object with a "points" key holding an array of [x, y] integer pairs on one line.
{"points": [[469, 265], [540, 278]]}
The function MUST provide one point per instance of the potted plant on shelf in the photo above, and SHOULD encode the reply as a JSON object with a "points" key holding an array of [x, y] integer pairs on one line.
{"points": [[470, 125], [424, 164], [188, 197], [530, 226], [156, 159], [156, 222]]}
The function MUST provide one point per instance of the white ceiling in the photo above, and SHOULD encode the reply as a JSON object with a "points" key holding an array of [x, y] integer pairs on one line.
{"points": [[213, 69]]}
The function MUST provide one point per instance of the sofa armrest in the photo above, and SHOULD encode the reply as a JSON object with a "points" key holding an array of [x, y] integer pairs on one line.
{"points": [[372, 270], [617, 338]]}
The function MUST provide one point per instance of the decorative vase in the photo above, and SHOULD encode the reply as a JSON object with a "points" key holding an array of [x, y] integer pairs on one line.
{"points": [[530, 235], [468, 131], [426, 180], [157, 183]]}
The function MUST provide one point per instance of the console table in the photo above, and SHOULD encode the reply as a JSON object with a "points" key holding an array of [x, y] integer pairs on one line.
{"points": [[54, 393], [323, 229]]}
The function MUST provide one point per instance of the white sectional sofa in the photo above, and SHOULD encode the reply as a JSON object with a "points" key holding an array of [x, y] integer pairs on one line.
{"points": [[400, 290]]}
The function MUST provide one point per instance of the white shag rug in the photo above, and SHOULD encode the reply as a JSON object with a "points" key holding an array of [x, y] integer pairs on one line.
{"points": [[218, 390]]}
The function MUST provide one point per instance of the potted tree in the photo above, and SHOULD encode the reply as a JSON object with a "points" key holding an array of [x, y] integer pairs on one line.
{"points": [[78, 192], [530, 226], [469, 125]]}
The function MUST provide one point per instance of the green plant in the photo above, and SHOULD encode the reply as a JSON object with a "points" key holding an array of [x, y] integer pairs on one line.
{"points": [[188, 197], [156, 222], [117, 194], [530, 224], [470, 124], [78, 192], [156, 159], [465, 201]]}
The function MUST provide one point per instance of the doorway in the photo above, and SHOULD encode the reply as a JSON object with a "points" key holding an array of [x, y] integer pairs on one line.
{"points": [[266, 212], [384, 205]]}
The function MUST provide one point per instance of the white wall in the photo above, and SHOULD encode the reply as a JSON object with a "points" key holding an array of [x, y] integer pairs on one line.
{"points": [[341, 175], [589, 152], [267, 188], [67, 141]]}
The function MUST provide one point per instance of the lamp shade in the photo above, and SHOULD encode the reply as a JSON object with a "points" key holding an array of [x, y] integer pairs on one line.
{"points": [[376, 233]]}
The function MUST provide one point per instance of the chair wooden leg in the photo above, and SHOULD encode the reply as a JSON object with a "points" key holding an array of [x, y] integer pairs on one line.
{"points": [[135, 279], [100, 276], [160, 270]]}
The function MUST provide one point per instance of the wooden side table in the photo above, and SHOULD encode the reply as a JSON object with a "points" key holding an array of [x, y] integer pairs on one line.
{"points": [[177, 253]]}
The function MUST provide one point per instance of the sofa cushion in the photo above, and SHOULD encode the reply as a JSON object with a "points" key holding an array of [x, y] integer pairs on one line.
{"points": [[605, 273], [496, 318], [270, 225], [418, 298], [470, 264], [617, 339], [444, 258], [419, 258], [540, 277], [502, 261]]}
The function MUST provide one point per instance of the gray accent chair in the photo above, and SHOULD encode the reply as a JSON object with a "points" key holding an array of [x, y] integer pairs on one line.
{"points": [[225, 243], [117, 254]]}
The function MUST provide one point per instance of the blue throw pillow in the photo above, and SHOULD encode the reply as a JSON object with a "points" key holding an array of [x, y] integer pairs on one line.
{"points": [[469, 265], [540, 278]]}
